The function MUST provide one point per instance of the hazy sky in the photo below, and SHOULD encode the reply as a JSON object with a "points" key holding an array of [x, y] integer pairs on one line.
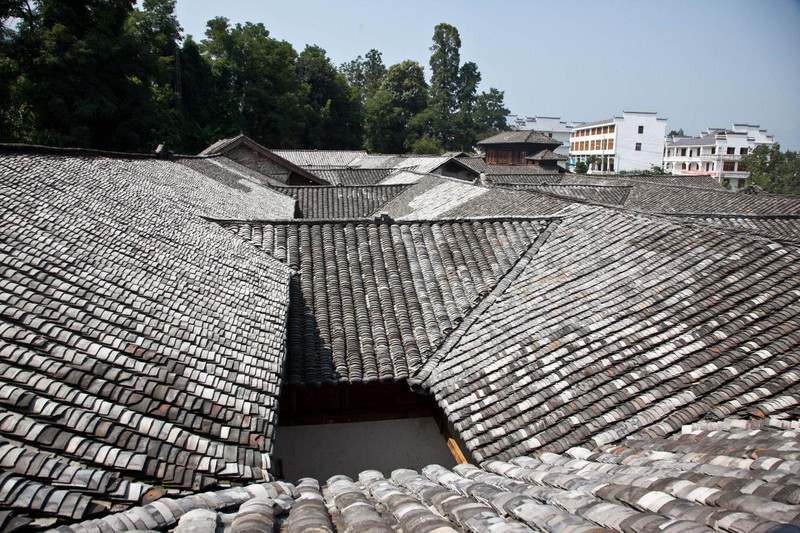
{"points": [[697, 63]]}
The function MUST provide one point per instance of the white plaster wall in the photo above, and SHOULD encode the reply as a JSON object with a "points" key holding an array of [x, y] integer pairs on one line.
{"points": [[323, 450], [652, 153]]}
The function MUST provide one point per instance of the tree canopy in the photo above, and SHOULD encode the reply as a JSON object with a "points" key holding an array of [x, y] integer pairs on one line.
{"points": [[119, 75], [777, 172]]}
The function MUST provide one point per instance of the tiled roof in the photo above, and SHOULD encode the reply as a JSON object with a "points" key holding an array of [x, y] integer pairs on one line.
{"points": [[520, 137], [602, 194], [514, 170], [706, 140], [595, 123], [650, 196], [139, 343], [726, 476], [230, 145], [705, 182], [353, 176], [373, 299], [440, 197], [784, 228], [624, 325], [340, 202], [320, 158], [547, 155], [228, 171], [478, 164], [523, 179]]}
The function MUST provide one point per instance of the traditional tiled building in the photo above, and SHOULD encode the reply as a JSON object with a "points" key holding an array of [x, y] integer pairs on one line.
{"points": [[522, 147], [186, 343]]}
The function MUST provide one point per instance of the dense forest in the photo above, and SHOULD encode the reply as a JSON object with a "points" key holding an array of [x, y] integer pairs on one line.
{"points": [[109, 75]]}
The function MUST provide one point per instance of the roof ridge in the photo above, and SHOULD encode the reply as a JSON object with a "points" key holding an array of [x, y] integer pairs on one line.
{"points": [[377, 220], [72, 151], [420, 377]]}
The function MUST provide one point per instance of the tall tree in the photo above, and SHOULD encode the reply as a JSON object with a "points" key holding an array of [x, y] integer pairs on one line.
{"points": [[777, 172], [490, 113], [335, 120], [402, 95], [444, 63], [82, 80], [365, 74], [265, 94]]}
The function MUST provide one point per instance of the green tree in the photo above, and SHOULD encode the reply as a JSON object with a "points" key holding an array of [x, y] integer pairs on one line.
{"points": [[365, 74], [426, 145], [402, 95], [777, 172], [581, 168], [335, 107], [676, 133], [490, 114], [444, 63], [81, 79]]}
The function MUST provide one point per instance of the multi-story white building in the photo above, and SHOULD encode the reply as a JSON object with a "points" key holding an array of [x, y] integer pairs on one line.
{"points": [[551, 126], [716, 152], [632, 142]]}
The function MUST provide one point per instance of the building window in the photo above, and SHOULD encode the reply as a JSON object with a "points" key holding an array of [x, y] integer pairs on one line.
{"points": [[611, 146], [731, 150], [638, 147], [683, 152], [743, 151], [728, 166], [611, 129], [713, 150], [741, 167], [550, 135], [683, 166], [641, 129]]}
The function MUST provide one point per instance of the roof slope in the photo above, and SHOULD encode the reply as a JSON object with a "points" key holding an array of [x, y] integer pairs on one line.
{"points": [[230, 147], [136, 338], [340, 202], [624, 325], [440, 197], [726, 476], [602, 194], [320, 158], [228, 171], [547, 155], [696, 181], [783, 228], [353, 176], [520, 137], [373, 299]]}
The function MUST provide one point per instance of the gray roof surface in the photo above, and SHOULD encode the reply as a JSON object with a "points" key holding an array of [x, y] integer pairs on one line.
{"points": [[621, 325], [373, 299], [602, 194], [353, 176], [320, 158], [140, 344], [360, 201], [705, 140], [783, 228], [228, 172], [520, 137], [595, 123], [725, 476], [439, 197], [547, 155]]}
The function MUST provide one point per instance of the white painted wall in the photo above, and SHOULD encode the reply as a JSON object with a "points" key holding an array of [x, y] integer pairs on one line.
{"points": [[652, 140], [324, 450]]}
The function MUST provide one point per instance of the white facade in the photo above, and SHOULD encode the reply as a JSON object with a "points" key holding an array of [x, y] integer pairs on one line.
{"points": [[716, 152], [632, 142], [551, 126]]}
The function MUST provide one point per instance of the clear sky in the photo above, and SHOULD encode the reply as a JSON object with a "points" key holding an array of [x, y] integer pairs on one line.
{"points": [[697, 63]]}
